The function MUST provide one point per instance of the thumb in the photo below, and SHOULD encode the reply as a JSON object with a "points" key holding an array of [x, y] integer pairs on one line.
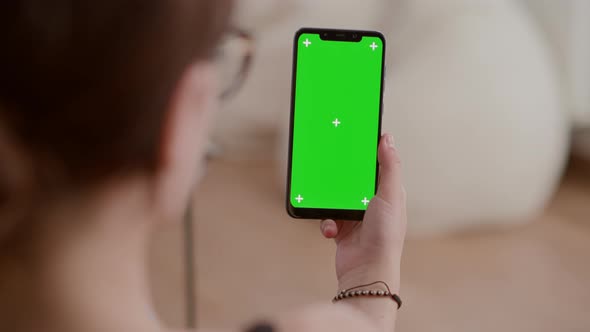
{"points": [[390, 173]]}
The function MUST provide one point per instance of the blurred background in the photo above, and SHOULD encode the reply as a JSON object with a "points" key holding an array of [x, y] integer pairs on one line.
{"points": [[489, 102]]}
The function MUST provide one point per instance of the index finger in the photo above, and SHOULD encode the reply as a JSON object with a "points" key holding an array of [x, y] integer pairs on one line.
{"points": [[390, 172]]}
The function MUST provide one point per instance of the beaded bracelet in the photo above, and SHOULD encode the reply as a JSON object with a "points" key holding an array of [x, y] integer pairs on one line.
{"points": [[356, 292]]}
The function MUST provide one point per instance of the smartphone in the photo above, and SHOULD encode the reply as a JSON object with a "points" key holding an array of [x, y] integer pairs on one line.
{"points": [[336, 107]]}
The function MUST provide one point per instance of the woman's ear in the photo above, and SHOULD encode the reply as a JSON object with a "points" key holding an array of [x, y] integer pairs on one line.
{"points": [[184, 139]]}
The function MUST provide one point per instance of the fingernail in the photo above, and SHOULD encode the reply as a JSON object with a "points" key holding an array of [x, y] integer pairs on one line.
{"points": [[390, 141]]}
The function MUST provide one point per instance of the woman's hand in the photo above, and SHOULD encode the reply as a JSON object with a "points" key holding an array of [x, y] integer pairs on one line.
{"points": [[371, 250]]}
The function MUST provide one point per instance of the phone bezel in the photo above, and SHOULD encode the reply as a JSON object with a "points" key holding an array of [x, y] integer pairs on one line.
{"points": [[332, 34]]}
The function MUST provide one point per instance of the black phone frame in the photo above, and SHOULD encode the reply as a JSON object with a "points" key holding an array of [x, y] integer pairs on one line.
{"points": [[338, 35]]}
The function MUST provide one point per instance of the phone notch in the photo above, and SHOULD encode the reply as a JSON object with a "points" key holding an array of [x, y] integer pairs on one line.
{"points": [[340, 35]]}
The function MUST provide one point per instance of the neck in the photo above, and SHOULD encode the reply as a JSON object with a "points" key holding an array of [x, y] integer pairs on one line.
{"points": [[87, 269]]}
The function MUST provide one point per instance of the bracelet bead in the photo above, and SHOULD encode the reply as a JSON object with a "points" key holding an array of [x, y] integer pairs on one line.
{"points": [[351, 292]]}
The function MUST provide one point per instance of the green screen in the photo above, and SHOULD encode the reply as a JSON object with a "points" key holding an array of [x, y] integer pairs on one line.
{"points": [[336, 122]]}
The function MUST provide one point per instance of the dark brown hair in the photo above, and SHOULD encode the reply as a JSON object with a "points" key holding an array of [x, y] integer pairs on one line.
{"points": [[84, 86]]}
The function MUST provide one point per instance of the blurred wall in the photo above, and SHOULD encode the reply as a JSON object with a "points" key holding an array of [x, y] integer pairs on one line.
{"points": [[566, 25]]}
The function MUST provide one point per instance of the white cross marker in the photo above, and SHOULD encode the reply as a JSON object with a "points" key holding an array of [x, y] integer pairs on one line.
{"points": [[374, 46], [299, 199], [336, 123], [365, 201], [307, 42]]}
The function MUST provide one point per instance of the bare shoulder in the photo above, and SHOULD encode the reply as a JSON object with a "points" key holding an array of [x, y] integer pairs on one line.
{"points": [[325, 318], [202, 330], [320, 318]]}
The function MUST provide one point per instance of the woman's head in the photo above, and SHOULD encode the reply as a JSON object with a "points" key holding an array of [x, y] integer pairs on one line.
{"points": [[92, 91]]}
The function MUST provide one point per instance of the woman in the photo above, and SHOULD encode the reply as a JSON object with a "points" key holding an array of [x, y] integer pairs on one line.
{"points": [[102, 105]]}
